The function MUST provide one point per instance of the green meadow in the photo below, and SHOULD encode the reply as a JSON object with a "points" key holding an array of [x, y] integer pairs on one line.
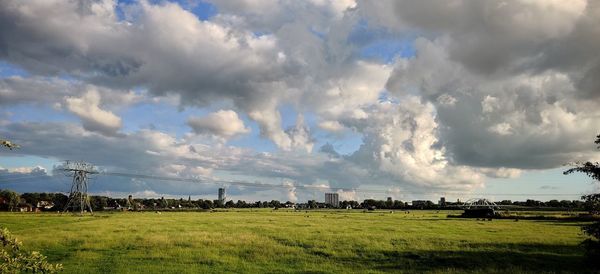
{"points": [[281, 241]]}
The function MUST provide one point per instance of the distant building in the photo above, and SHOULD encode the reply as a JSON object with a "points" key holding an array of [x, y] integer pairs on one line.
{"points": [[129, 202], [442, 201], [45, 204], [222, 195], [420, 203], [332, 199], [25, 208]]}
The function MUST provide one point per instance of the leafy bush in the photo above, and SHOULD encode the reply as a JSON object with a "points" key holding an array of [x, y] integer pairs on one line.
{"points": [[592, 245], [15, 260]]}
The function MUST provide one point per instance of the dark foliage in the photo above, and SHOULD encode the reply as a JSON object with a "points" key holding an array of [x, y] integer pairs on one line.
{"points": [[588, 168], [592, 245], [592, 205]]}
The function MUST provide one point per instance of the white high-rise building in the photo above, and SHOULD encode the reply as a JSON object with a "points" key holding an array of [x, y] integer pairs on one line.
{"points": [[332, 199], [222, 195]]}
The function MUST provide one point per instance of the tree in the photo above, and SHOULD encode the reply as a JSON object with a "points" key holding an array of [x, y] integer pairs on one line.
{"points": [[31, 198], [163, 203], [8, 144], [12, 199], [275, 204], [553, 203], [98, 203], [592, 205], [588, 168], [60, 201], [398, 204], [241, 204]]}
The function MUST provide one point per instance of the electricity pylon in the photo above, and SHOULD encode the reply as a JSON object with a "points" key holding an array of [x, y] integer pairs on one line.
{"points": [[78, 197]]}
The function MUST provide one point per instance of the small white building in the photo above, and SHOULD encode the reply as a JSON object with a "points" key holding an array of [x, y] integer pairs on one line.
{"points": [[45, 204]]}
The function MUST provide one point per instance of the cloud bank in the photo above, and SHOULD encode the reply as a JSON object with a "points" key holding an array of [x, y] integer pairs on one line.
{"points": [[477, 90]]}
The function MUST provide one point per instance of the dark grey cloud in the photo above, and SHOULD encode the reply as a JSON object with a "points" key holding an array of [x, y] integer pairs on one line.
{"points": [[146, 152], [30, 38], [547, 187], [489, 36], [50, 91], [32, 179], [94, 105]]}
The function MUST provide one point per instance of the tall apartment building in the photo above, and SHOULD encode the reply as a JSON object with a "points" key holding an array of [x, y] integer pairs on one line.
{"points": [[222, 195], [332, 199]]}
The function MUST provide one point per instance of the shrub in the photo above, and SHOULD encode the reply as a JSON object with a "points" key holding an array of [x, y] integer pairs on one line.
{"points": [[15, 260]]}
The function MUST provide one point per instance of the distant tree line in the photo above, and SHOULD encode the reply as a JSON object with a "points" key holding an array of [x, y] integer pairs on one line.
{"points": [[570, 204], [395, 204], [11, 201]]}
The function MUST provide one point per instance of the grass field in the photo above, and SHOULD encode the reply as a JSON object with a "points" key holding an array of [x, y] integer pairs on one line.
{"points": [[298, 242]]}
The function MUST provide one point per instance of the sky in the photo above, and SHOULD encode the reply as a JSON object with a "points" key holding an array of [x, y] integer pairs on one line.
{"points": [[370, 99]]}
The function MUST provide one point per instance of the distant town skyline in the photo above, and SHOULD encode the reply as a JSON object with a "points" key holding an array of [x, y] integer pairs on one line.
{"points": [[413, 100]]}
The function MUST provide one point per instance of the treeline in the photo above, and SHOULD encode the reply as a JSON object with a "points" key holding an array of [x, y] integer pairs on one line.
{"points": [[389, 204], [571, 204], [11, 201]]}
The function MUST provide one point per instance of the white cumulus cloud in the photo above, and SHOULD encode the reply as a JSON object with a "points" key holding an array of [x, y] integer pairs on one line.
{"points": [[93, 117], [223, 123]]}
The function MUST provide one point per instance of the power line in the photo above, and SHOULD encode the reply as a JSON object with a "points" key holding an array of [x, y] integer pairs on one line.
{"points": [[313, 187], [19, 176], [12, 180], [24, 178]]}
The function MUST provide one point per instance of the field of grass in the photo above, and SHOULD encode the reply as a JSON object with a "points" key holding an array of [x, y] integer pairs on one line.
{"points": [[265, 241]]}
